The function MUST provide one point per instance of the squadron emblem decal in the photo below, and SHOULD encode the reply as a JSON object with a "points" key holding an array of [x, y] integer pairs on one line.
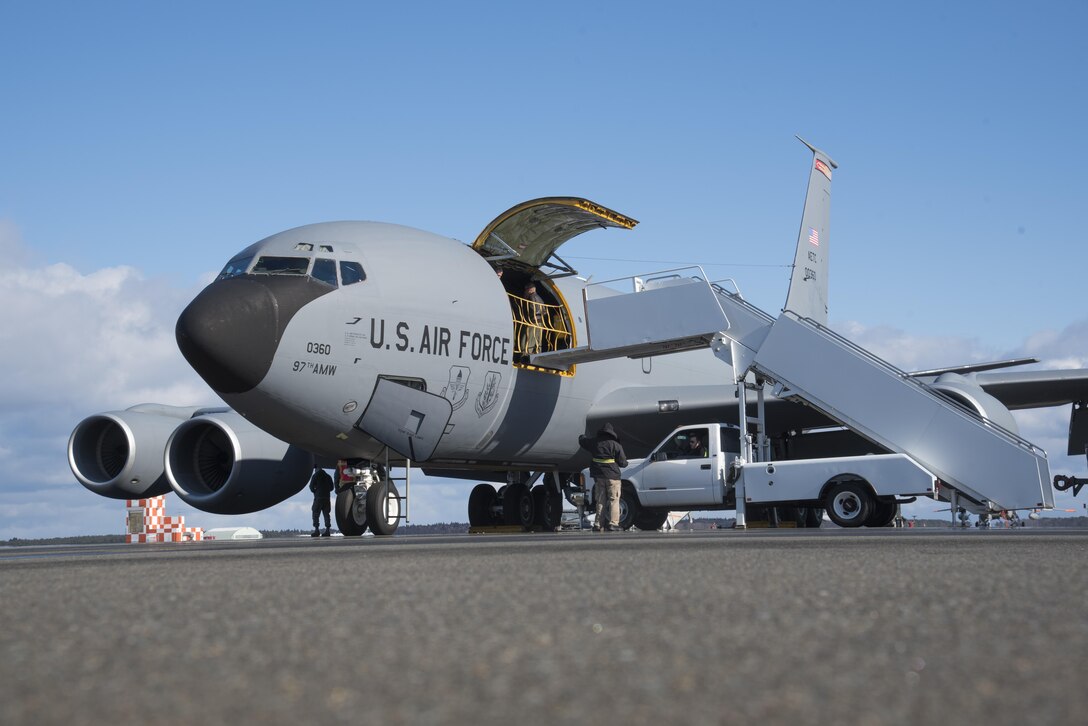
{"points": [[489, 395], [456, 391]]}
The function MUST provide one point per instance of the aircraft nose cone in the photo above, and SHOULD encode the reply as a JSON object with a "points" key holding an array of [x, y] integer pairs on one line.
{"points": [[230, 332]]}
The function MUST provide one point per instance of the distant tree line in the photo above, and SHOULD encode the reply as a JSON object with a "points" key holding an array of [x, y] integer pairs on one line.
{"points": [[92, 539]]}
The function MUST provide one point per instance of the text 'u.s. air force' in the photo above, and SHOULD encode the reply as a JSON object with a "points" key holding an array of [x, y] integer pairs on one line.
{"points": [[439, 340]]}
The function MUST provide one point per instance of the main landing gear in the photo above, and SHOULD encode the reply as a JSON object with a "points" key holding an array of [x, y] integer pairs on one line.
{"points": [[366, 498], [518, 503]]}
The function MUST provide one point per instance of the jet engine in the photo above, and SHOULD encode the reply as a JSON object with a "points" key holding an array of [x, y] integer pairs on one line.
{"points": [[223, 464], [970, 396], [119, 454]]}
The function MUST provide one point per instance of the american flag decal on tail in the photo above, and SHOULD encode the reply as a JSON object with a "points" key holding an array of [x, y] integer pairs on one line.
{"points": [[814, 237], [822, 168]]}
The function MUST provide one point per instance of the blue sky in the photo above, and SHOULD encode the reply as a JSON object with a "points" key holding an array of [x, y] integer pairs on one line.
{"points": [[141, 144]]}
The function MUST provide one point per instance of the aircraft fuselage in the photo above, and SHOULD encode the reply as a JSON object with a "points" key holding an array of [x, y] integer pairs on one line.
{"points": [[306, 357]]}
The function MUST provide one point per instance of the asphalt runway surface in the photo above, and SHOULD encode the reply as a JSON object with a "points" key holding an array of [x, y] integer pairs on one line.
{"points": [[783, 626]]}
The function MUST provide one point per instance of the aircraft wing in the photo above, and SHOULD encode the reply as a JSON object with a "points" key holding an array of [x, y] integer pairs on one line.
{"points": [[638, 412], [1035, 389]]}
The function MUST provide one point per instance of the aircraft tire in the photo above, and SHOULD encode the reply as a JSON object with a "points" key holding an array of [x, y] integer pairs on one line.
{"points": [[883, 513], [347, 516], [383, 508], [651, 520], [814, 516], [849, 503], [480, 502], [547, 507], [517, 505]]}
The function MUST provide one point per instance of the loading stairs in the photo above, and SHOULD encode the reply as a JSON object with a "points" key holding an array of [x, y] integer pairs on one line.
{"points": [[803, 361]]}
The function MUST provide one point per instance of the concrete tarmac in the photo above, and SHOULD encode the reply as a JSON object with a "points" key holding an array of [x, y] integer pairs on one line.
{"points": [[779, 626]]}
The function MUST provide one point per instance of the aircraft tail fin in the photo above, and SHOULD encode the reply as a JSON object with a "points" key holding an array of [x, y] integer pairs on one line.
{"points": [[808, 292]]}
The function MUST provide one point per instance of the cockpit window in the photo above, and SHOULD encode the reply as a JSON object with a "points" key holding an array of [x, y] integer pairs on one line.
{"points": [[235, 267], [351, 272], [325, 270], [281, 266]]}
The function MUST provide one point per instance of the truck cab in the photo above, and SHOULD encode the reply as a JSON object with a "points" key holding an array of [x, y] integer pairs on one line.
{"points": [[688, 469]]}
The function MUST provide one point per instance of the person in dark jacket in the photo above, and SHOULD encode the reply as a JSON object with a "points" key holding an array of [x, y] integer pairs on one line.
{"points": [[321, 486], [608, 459]]}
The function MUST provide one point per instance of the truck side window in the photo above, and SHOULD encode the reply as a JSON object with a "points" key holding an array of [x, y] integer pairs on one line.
{"points": [[690, 444]]}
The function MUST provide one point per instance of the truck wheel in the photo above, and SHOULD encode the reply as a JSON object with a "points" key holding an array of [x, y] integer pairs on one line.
{"points": [[650, 520], [383, 508], [547, 507], [630, 509], [480, 502], [517, 505], [883, 513], [848, 503]]}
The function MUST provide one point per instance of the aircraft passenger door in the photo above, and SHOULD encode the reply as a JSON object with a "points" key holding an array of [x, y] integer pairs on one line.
{"points": [[407, 420], [680, 472]]}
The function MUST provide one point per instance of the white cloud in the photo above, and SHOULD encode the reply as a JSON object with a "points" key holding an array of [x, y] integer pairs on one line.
{"points": [[73, 344]]}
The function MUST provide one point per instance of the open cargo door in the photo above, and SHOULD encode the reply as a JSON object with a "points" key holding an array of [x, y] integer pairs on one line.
{"points": [[532, 231]]}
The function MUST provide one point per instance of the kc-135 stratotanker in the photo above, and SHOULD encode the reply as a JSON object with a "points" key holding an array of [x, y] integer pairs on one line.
{"points": [[376, 347]]}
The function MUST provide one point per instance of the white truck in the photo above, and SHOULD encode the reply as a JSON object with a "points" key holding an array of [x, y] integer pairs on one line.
{"points": [[699, 467]]}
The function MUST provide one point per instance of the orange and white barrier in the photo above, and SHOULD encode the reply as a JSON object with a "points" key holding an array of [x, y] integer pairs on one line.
{"points": [[146, 521]]}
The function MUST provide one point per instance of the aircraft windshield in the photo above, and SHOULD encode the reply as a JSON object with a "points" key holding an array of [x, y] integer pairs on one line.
{"points": [[281, 266], [323, 269], [235, 267], [351, 272]]}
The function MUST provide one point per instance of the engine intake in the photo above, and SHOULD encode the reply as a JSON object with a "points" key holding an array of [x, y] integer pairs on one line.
{"points": [[119, 454], [222, 464]]}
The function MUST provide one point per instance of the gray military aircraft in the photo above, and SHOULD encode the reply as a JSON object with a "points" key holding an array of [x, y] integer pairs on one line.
{"points": [[375, 345]]}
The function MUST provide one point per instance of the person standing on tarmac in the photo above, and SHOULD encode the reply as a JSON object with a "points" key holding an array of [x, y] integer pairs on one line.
{"points": [[608, 459], [321, 486]]}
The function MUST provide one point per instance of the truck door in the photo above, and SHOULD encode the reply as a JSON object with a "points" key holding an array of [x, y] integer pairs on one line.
{"points": [[682, 472]]}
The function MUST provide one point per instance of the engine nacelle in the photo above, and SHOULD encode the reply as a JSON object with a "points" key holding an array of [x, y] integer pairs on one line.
{"points": [[119, 454], [971, 396], [223, 464]]}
